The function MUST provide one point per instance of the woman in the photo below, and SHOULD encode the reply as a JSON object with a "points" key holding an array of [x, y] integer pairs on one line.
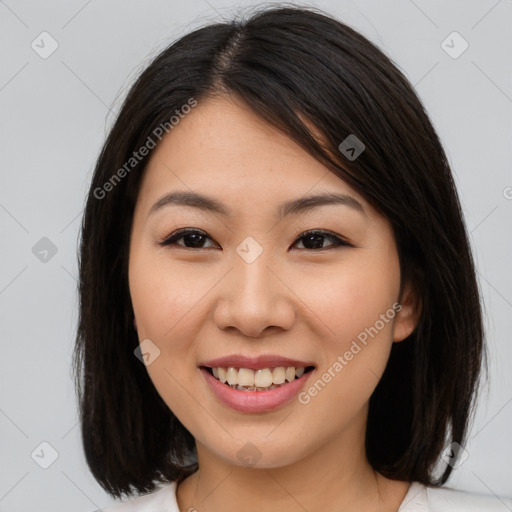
{"points": [[275, 281]]}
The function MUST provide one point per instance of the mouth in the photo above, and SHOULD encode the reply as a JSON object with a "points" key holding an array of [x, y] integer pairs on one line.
{"points": [[259, 380], [256, 384]]}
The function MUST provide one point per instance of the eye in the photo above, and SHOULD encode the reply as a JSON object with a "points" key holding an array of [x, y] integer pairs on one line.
{"points": [[311, 240], [193, 239], [314, 238]]}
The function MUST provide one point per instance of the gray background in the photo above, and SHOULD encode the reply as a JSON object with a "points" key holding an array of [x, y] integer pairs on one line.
{"points": [[55, 113]]}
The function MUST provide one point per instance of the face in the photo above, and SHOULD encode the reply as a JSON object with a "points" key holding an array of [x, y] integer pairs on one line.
{"points": [[249, 284]]}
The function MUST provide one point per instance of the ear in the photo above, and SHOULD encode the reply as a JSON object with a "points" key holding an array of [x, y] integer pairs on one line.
{"points": [[408, 316]]}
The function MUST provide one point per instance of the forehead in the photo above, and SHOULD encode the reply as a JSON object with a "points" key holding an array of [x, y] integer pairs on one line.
{"points": [[224, 149]]}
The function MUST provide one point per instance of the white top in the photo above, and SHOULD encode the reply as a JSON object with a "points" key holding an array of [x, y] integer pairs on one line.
{"points": [[418, 499]]}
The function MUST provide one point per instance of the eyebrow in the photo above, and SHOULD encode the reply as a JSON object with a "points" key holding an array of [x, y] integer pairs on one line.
{"points": [[292, 207]]}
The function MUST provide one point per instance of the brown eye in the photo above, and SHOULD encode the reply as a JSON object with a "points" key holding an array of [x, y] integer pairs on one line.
{"points": [[314, 240], [193, 239]]}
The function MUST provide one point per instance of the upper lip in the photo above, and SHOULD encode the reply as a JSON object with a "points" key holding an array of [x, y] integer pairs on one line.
{"points": [[255, 363]]}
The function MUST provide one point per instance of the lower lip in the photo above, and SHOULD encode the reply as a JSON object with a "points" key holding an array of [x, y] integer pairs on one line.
{"points": [[255, 401]]}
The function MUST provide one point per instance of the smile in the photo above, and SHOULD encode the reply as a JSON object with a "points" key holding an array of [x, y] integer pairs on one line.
{"points": [[256, 390], [264, 379]]}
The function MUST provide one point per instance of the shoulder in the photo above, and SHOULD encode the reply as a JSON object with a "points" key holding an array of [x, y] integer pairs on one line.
{"points": [[161, 500], [444, 499]]}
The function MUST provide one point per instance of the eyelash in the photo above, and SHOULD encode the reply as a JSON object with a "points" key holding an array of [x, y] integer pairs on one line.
{"points": [[178, 235]]}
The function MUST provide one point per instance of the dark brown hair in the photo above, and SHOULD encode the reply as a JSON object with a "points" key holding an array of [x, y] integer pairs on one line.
{"points": [[294, 67]]}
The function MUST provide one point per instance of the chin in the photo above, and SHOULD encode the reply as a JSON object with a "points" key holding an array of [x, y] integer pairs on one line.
{"points": [[261, 453]]}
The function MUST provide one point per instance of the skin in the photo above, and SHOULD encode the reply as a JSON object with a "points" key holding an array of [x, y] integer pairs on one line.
{"points": [[294, 300]]}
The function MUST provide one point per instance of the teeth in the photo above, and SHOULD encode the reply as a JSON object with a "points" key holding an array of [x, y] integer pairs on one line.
{"points": [[290, 373], [246, 377], [279, 375], [252, 380], [254, 388], [262, 378], [232, 375], [222, 374]]}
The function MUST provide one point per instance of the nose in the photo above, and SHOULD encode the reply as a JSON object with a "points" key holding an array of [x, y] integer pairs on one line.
{"points": [[254, 299]]}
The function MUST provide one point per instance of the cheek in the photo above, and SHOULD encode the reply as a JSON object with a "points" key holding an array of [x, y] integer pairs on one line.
{"points": [[163, 295], [353, 296]]}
